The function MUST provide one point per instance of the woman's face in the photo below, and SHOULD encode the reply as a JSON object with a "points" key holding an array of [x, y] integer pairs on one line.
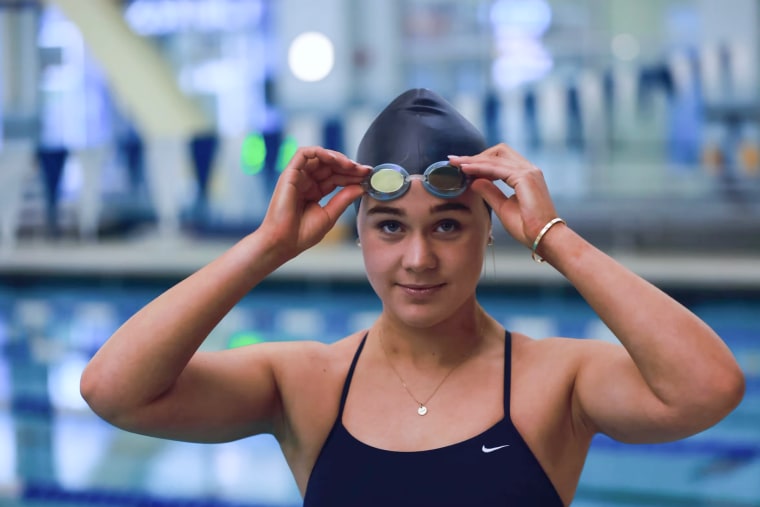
{"points": [[424, 254]]}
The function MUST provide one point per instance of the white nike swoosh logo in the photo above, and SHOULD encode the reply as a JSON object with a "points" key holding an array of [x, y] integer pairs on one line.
{"points": [[492, 449]]}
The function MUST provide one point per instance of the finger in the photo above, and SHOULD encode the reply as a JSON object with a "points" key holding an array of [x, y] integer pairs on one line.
{"points": [[301, 159], [342, 159], [307, 158], [326, 175], [498, 157], [319, 152], [338, 180], [324, 171], [489, 170], [512, 172], [310, 190], [500, 150], [321, 158], [315, 172]]}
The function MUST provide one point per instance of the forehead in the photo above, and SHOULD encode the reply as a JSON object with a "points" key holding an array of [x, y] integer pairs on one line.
{"points": [[418, 202]]}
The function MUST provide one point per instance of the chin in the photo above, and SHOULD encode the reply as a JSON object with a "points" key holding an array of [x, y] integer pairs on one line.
{"points": [[422, 316]]}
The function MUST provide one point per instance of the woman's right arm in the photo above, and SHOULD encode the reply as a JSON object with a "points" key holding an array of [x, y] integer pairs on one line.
{"points": [[149, 378]]}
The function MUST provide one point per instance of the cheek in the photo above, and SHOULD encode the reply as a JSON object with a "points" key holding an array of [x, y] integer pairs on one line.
{"points": [[376, 265], [469, 261], [470, 267]]}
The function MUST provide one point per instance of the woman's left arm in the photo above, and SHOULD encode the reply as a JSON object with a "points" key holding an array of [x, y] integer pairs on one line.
{"points": [[673, 376], [676, 377]]}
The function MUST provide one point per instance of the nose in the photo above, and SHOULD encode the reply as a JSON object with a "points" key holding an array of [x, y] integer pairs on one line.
{"points": [[419, 254]]}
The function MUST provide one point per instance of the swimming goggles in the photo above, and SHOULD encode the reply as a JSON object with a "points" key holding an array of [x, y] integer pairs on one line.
{"points": [[390, 181]]}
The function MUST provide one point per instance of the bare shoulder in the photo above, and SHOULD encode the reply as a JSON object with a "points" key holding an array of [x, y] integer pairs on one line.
{"points": [[559, 371], [299, 361], [571, 351], [310, 377], [549, 368]]}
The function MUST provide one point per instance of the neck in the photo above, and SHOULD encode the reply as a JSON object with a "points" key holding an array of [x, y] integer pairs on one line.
{"points": [[443, 343]]}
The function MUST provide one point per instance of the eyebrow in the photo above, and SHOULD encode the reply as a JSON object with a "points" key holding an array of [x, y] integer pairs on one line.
{"points": [[388, 210], [392, 210], [450, 206]]}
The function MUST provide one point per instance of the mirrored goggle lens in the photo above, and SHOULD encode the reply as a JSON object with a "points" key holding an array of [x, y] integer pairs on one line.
{"points": [[447, 178], [387, 181]]}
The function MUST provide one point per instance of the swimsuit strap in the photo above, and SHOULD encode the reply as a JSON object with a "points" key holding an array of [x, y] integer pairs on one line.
{"points": [[507, 371], [350, 375]]}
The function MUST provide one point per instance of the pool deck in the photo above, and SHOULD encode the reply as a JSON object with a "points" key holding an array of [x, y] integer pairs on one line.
{"points": [[178, 257]]}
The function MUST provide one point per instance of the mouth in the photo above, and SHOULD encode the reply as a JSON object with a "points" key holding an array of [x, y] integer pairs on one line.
{"points": [[418, 290]]}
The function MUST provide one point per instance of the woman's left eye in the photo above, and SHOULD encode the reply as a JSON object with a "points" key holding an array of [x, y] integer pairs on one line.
{"points": [[448, 226]]}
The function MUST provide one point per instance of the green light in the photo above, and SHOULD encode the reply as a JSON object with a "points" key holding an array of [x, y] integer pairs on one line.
{"points": [[253, 154], [244, 338], [288, 148]]}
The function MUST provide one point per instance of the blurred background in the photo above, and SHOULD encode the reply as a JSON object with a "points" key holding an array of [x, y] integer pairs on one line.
{"points": [[140, 139]]}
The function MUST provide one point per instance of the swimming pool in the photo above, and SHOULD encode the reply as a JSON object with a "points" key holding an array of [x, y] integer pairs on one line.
{"points": [[54, 451]]}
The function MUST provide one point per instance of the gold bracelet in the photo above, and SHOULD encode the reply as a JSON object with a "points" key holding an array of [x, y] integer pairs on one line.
{"points": [[540, 236]]}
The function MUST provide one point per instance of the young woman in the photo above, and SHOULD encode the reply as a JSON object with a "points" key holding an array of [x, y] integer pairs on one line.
{"points": [[436, 403]]}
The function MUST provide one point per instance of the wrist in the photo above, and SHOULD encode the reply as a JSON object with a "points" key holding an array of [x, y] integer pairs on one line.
{"points": [[262, 252], [273, 241], [536, 246]]}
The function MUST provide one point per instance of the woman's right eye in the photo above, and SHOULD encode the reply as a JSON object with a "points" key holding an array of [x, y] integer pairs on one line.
{"points": [[389, 226]]}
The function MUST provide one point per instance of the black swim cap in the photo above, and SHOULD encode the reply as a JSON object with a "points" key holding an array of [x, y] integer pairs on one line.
{"points": [[417, 129]]}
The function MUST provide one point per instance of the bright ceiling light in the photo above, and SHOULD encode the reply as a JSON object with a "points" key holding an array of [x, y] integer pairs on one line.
{"points": [[311, 56]]}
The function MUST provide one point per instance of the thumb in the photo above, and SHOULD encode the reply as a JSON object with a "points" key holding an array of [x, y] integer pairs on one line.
{"points": [[489, 192], [342, 200], [505, 208]]}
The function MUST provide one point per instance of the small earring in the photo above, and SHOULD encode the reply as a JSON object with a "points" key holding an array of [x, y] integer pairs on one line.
{"points": [[358, 243], [490, 241]]}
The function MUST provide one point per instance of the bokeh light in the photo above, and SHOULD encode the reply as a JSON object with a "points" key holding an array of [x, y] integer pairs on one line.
{"points": [[253, 154], [518, 26], [287, 150], [245, 338], [311, 56]]}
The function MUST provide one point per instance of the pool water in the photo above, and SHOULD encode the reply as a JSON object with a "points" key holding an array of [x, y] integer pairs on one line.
{"points": [[55, 452]]}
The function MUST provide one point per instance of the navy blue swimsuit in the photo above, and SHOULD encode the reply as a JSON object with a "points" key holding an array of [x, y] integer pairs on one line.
{"points": [[490, 469]]}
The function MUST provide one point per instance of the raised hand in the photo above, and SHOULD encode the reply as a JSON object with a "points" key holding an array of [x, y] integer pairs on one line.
{"points": [[523, 213], [295, 219]]}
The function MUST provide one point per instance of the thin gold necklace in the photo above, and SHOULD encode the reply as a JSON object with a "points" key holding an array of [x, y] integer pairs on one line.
{"points": [[422, 408]]}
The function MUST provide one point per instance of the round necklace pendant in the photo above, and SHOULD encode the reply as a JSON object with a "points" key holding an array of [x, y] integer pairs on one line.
{"points": [[422, 410]]}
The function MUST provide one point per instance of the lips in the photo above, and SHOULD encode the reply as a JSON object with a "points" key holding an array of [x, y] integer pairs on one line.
{"points": [[418, 290]]}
